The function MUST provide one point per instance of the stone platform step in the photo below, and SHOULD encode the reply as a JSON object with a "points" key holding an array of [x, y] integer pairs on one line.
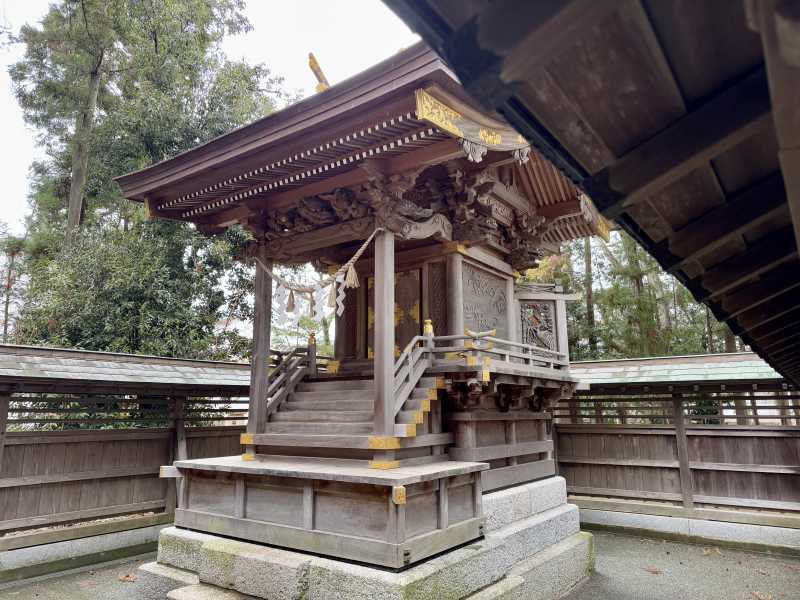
{"points": [[201, 591], [536, 558]]}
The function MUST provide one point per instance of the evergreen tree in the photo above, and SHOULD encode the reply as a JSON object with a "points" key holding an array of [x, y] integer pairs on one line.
{"points": [[126, 283]]}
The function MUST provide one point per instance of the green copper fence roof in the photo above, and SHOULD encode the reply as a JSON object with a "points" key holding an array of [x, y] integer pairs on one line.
{"points": [[702, 368]]}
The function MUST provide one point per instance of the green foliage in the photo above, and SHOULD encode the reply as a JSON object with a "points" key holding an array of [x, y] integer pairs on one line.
{"points": [[127, 284], [638, 309]]}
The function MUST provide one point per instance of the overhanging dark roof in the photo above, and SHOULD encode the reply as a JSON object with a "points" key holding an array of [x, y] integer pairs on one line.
{"points": [[681, 121]]}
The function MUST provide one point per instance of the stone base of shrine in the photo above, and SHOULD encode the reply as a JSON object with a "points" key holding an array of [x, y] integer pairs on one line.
{"points": [[532, 548]]}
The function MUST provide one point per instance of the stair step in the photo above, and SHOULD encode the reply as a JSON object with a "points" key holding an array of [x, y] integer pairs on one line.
{"points": [[427, 382], [345, 405], [320, 428], [355, 394], [336, 385], [422, 404], [419, 392], [358, 441], [410, 416], [322, 416]]}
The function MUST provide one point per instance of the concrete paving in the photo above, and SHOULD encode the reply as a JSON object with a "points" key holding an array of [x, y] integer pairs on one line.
{"points": [[119, 581], [627, 568], [630, 568]]}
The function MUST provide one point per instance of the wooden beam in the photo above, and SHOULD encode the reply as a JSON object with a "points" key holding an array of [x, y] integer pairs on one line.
{"points": [[779, 25], [776, 325], [760, 257], [562, 209], [721, 123], [779, 341], [770, 284], [262, 323], [427, 155], [767, 311], [747, 210]]}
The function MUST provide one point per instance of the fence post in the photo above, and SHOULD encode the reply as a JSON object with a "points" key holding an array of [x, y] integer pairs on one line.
{"points": [[178, 451], [687, 485]]}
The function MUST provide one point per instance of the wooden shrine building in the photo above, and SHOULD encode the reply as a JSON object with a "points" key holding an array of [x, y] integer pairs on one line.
{"points": [[442, 369]]}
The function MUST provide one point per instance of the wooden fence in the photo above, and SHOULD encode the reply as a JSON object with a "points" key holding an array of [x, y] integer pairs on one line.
{"points": [[76, 458], [684, 450]]}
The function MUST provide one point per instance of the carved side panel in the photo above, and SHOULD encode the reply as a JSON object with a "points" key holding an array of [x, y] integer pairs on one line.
{"points": [[437, 296], [485, 301], [538, 323]]}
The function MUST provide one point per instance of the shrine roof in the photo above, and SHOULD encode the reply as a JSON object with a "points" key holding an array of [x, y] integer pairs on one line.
{"points": [[319, 143]]}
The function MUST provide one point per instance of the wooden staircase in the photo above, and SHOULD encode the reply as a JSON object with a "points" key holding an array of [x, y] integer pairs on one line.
{"points": [[338, 413]]}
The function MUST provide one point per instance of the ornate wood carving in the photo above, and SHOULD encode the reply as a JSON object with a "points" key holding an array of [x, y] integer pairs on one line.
{"points": [[485, 301], [538, 323]]}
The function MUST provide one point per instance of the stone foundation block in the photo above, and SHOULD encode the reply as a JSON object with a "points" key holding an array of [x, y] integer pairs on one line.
{"points": [[522, 501], [206, 592], [273, 573]]}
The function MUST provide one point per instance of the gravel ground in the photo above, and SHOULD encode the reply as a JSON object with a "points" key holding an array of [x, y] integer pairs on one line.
{"points": [[628, 568]]}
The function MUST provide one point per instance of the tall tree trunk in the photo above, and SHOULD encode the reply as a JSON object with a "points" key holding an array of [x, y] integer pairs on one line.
{"points": [[588, 284], [730, 341], [7, 300], [709, 333], [84, 123]]}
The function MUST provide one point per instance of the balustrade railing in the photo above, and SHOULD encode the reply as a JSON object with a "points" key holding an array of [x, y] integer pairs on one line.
{"points": [[423, 351]]}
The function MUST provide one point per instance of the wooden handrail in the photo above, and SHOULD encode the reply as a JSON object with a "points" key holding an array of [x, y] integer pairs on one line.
{"points": [[409, 368]]}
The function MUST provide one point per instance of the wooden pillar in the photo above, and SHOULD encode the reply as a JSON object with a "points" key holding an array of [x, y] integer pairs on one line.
{"points": [[513, 312], [687, 485], [384, 333], [5, 400], [562, 336], [455, 294], [262, 320]]}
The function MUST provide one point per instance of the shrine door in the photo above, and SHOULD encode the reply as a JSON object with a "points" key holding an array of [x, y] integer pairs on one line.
{"points": [[407, 310]]}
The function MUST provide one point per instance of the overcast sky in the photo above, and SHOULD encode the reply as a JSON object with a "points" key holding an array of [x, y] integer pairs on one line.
{"points": [[347, 36]]}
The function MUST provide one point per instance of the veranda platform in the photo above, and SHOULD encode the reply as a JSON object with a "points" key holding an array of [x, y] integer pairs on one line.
{"points": [[335, 507]]}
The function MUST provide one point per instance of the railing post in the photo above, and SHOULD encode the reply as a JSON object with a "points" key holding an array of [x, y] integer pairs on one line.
{"points": [[259, 372], [312, 355], [384, 333], [681, 440]]}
